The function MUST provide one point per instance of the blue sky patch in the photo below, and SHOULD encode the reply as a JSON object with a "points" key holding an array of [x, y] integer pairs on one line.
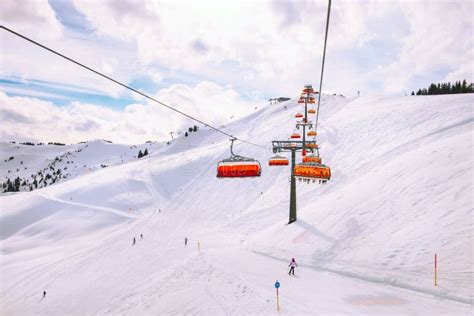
{"points": [[59, 94]]}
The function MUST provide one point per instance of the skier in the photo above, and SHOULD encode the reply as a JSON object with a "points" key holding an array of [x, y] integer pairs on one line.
{"points": [[141, 236], [133, 241], [44, 294], [185, 241], [292, 266]]}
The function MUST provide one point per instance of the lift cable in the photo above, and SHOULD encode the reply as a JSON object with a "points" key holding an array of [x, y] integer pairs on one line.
{"points": [[128, 87], [322, 67]]}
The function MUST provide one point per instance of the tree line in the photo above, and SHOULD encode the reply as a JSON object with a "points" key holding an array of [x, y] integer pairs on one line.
{"points": [[446, 88]]}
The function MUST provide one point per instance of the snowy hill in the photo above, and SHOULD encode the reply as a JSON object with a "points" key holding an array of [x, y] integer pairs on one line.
{"points": [[401, 191], [49, 164]]}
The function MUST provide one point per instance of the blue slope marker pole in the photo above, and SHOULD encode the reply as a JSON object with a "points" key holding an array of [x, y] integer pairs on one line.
{"points": [[277, 285]]}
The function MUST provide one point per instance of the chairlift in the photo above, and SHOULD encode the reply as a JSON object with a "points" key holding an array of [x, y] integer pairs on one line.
{"points": [[238, 166], [312, 171], [312, 158], [278, 161], [308, 89]]}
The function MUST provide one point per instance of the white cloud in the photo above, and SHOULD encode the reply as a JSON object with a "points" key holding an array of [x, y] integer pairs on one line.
{"points": [[156, 76], [440, 37], [31, 17], [260, 48], [25, 60], [202, 38], [35, 120], [276, 46]]}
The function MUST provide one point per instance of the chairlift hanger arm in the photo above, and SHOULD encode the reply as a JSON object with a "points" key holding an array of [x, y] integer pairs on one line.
{"points": [[288, 145], [304, 124], [232, 146]]}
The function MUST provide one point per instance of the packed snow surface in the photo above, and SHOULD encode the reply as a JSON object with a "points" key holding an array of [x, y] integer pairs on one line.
{"points": [[401, 191]]}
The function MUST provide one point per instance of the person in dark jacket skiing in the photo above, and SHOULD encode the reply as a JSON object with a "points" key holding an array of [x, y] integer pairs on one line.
{"points": [[292, 266], [185, 241], [133, 241], [44, 294]]}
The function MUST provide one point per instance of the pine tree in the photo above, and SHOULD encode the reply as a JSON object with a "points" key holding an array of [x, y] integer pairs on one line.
{"points": [[146, 152], [140, 154], [10, 187], [430, 89], [195, 128], [458, 86], [17, 184], [447, 88], [413, 93], [186, 134]]}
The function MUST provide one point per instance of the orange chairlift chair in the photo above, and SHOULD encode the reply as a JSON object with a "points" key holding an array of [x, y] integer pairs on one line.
{"points": [[238, 166], [278, 161], [312, 171]]}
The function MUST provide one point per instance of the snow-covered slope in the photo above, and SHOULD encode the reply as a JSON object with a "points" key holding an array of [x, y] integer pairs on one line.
{"points": [[50, 164], [401, 191]]}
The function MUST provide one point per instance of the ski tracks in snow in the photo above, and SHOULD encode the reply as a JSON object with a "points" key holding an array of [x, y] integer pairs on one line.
{"points": [[195, 286], [91, 206], [213, 297]]}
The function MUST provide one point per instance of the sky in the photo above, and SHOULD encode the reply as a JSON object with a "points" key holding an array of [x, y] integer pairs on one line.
{"points": [[216, 60]]}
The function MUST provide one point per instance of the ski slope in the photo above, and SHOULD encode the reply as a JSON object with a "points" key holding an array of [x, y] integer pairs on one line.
{"points": [[401, 191]]}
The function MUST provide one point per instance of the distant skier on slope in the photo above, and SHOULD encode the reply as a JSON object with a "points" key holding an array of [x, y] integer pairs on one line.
{"points": [[44, 294], [141, 236], [133, 241], [185, 241], [292, 266]]}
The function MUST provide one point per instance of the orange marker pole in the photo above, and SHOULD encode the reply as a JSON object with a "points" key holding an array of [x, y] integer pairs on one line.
{"points": [[436, 271]]}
